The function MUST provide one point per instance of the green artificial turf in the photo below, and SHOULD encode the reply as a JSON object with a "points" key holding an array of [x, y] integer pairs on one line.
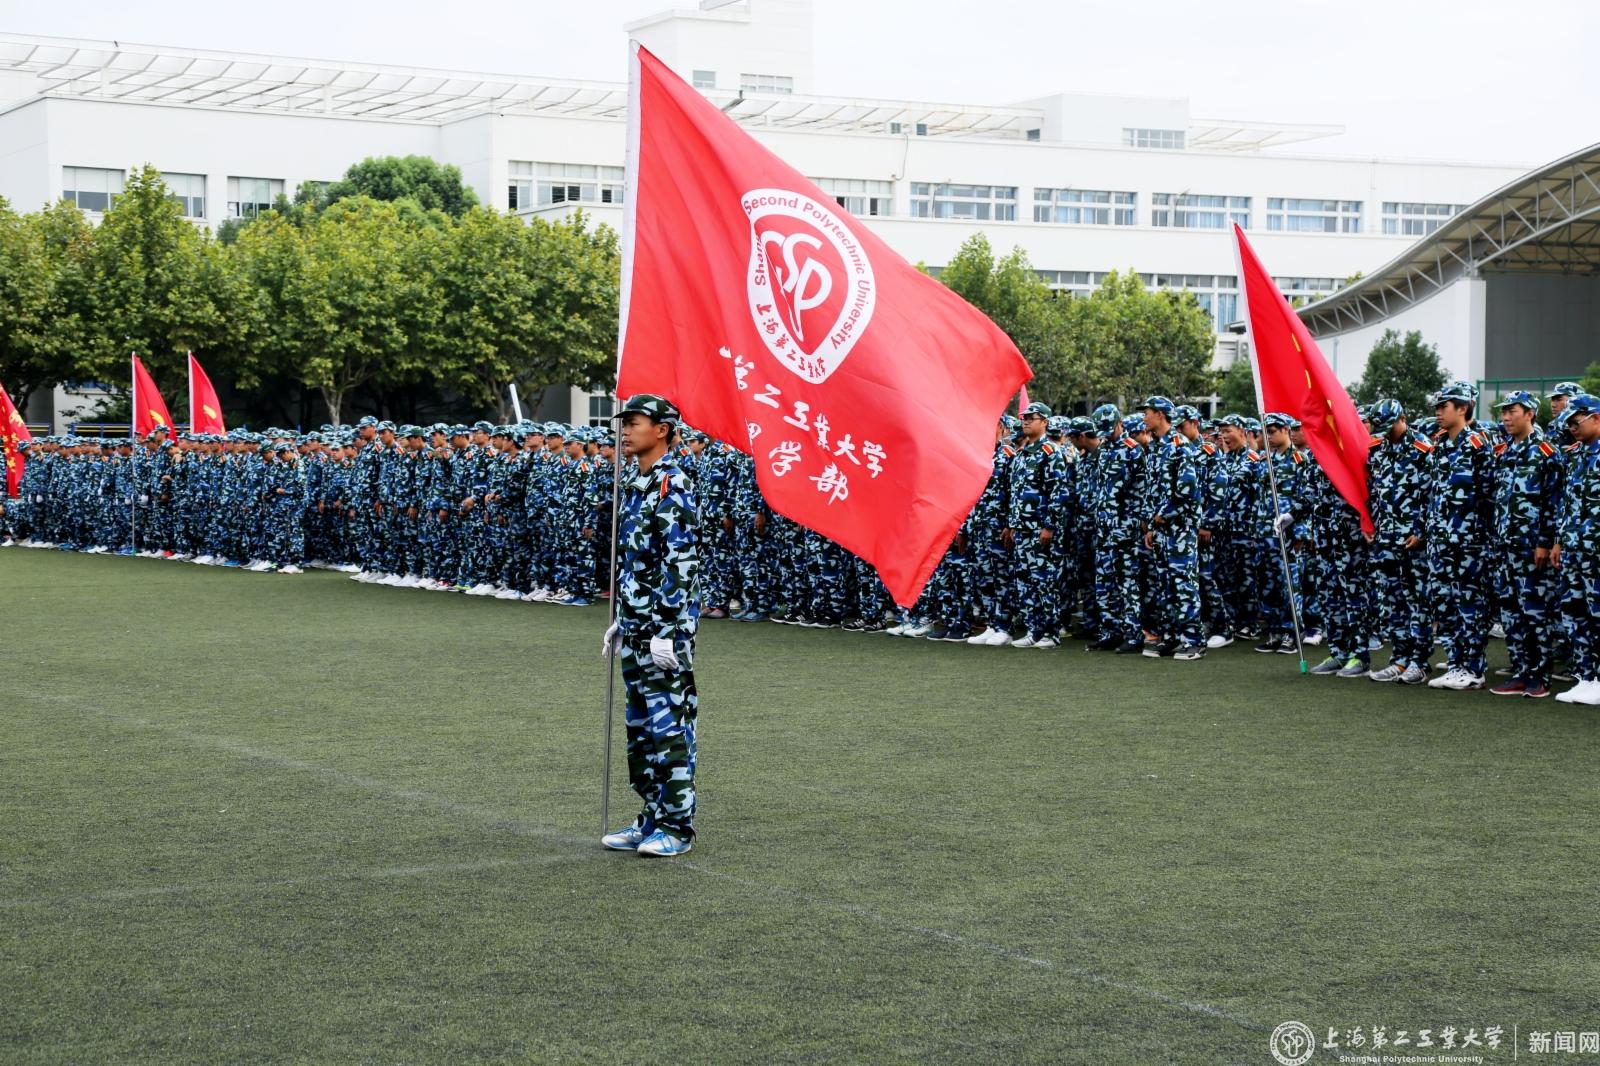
{"points": [[260, 818]]}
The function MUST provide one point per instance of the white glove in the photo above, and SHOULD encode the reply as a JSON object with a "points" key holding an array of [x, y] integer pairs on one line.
{"points": [[664, 655], [610, 642], [1282, 523]]}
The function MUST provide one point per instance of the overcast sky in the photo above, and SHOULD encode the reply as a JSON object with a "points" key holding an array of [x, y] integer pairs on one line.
{"points": [[1473, 80]]}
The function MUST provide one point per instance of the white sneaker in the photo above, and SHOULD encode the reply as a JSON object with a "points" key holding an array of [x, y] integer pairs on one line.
{"points": [[982, 638], [1024, 641], [1217, 640], [999, 639], [1571, 695], [920, 629], [202, 560], [1457, 680], [483, 588], [508, 594], [1497, 631], [1047, 643], [896, 631], [530, 597], [1584, 692], [290, 569]]}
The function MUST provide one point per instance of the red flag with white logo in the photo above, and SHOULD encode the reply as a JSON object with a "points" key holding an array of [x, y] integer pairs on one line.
{"points": [[866, 391], [1294, 379], [13, 431], [205, 410], [149, 409]]}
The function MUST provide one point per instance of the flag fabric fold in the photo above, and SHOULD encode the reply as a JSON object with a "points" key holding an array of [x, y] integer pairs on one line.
{"points": [[1293, 378], [149, 409], [13, 431], [205, 410], [866, 392]]}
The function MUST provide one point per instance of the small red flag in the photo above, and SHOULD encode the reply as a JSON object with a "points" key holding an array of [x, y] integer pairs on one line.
{"points": [[1022, 400], [13, 431], [866, 391], [1294, 379], [205, 410], [149, 409]]}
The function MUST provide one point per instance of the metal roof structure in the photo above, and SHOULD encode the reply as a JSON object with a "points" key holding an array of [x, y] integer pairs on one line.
{"points": [[73, 69], [1547, 222]]}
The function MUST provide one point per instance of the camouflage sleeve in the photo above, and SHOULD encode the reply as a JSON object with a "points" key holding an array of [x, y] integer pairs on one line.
{"points": [[676, 524]]}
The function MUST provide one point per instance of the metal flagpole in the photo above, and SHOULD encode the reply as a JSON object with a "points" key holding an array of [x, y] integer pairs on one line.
{"points": [[611, 666], [516, 404], [1240, 328]]}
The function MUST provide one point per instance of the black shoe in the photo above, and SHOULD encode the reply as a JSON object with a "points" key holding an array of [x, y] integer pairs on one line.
{"points": [[1104, 644], [1270, 645], [1286, 646], [854, 625], [938, 633], [1132, 647], [1189, 653], [1161, 650]]}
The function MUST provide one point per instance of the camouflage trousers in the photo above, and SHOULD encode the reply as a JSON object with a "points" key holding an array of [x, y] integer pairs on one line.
{"points": [[1399, 589], [286, 535], [1220, 582], [1175, 563], [660, 719], [1116, 586], [1277, 616], [1346, 592], [1531, 598], [1035, 584], [1580, 609], [1458, 580]]}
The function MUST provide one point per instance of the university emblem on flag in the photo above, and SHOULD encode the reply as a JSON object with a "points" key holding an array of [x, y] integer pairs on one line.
{"points": [[811, 288]]}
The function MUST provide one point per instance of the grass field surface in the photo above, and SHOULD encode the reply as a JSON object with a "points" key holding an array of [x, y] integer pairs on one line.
{"points": [[261, 818]]}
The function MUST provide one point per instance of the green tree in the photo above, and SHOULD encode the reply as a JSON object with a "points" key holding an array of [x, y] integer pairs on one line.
{"points": [[28, 358], [1401, 368], [1159, 341], [1016, 299], [425, 182], [150, 284], [1591, 379], [1236, 390]]}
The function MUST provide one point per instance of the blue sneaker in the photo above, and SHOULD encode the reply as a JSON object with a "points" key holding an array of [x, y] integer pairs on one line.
{"points": [[664, 845], [627, 839], [575, 601]]}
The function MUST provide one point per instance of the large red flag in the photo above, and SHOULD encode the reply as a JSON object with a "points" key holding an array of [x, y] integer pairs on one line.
{"points": [[205, 410], [1293, 378], [149, 409], [13, 431], [866, 391]]}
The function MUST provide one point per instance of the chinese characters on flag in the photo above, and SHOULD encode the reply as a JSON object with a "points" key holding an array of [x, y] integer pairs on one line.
{"points": [[866, 391]]}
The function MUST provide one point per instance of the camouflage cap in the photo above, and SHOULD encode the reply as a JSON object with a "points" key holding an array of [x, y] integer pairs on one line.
{"points": [[1011, 422], [1277, 420], [1132, 424], [1037, 409], [481, 426], [1385, 413], [1581, 405], [1457, 392], [656, 407], [1236, 421], [1158, 403], [386, 424], [1566, 388], [1521, 397], [366, 420], [1185, 413], [1080, 426]]}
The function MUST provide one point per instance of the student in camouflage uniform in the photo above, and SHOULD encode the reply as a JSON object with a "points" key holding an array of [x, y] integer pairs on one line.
{"points": [[1459, 527], [1577, 551], [1173, 493], [1527, 478], [656, 611], [1035, 495]]}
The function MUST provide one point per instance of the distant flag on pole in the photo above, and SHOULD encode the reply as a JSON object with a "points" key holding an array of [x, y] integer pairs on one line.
{"points": [[1293, 378], [149, 409], [13, 431], [205, 410], [1022, 400], [866, 391]]}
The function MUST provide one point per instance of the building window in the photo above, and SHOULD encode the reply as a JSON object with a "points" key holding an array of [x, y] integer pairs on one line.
{"points": [[906, 128], [546, 184], [1217, 294], [1194, 211], [91, 188], [1142, 138], [1301, 291], [861, 197], [983, 203], [705, 79], [1416, 220], [248, 197], [1313, 216], [601, 407], [765, 83], [1085, 207], [188, 191]]}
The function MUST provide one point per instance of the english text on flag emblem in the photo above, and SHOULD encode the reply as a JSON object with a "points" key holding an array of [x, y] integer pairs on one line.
{"points": [[866, 392]]}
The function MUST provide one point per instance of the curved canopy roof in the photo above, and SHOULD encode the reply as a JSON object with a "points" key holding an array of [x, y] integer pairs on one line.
{"points": [[1545, 223]]}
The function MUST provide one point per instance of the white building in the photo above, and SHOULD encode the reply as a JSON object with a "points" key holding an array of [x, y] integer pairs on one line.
{"points": [[1085, 183]]}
